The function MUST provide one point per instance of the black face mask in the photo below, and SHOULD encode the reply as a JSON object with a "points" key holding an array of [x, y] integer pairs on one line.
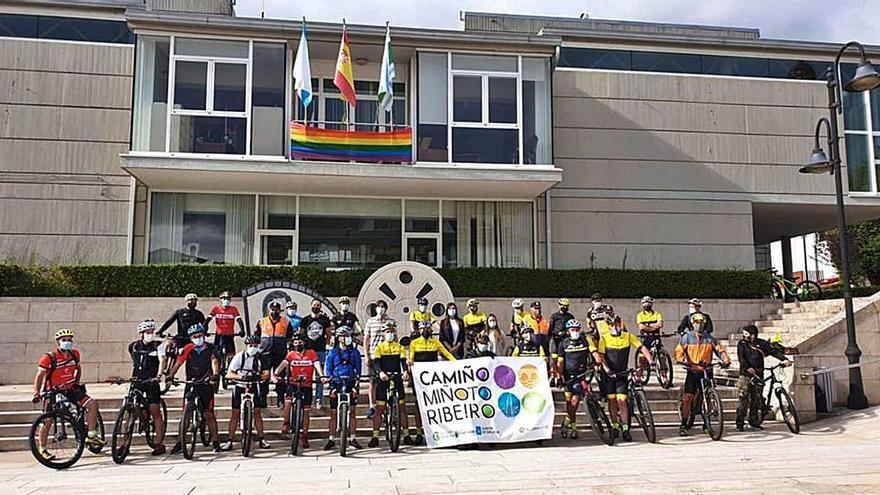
{"points": [[427, 333], [648, 307], [299, 347], [316, 310], [191, 305], [274, 314]]}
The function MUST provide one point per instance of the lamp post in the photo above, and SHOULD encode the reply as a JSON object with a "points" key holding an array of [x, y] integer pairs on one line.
{"points": [[866, 79]]}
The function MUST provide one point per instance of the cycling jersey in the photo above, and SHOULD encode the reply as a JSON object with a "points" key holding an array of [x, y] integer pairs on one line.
{"points": [[576, 355], [539, 325], [316, 328], [416, 317], [697, 349], [343, 363], [649, 318], [390, 357], [422, 350], [475, 322], [225, 318], [517, 317], [598, 313], [528, 350], [616, 349], [301, 364], [347, 319], [557, 323], [198, 360], [61, 368], [144, 359], [185, 318]]}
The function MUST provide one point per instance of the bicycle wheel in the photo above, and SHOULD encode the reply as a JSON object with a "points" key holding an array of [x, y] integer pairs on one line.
{"points": [[247, 426], [188, 432], [789, 413], [808, 291], [776, 291], [123, 432], [343, 419], [643, 373], [392, 424], [599, 421], [65, 440], [644, 415], [296, 424], [664, 369], [99, 425], [713, 413]]}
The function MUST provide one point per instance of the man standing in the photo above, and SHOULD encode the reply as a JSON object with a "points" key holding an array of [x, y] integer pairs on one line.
{"points": [[373, 335], [695, 306], [226, 316], [751, 351], [274, 330], [558, 333], [146, 356], [185, 318], [319, 330], [290, 313], [541, 326]]}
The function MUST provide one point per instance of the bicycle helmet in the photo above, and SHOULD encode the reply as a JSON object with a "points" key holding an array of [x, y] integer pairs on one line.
{"points": [[344, 300], [291, 304], [472, 302], [225, 295], [64, 332], [190, 297], [197, 328], [422, 301], [389, 326], [343, 331], [572, 323], [696, 302], [252, 339], [647, 299], [145, 325], [517, 303], [564, 302]]}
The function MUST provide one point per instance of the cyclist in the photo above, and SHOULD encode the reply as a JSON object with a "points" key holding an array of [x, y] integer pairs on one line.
{"points": [[695, 350], [373, 335], [750, 352], [146, 353], [390, 357], [421, 314], [226, 316], [61, 369], [319, 332], [201, 362], [248, 365], [424, 348], [558, 333], [516, 319], [475, 321], [574, 358], [185, 317], [695, 306], [540, 325], [346, 318], [597, 308], [274, 330], [612, 353], [290, 313], [481, 348], [649, 322], [302, 363], [528, 345], [343, 368]]}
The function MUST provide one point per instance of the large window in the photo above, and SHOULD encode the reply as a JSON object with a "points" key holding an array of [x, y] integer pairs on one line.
{"points": [[861, 119], [490, 108], [227, 97], [487, 233], [328, 110], [64, 28]]}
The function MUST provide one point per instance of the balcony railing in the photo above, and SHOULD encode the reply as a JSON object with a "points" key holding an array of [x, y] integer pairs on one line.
{"points": [[314, 143]]}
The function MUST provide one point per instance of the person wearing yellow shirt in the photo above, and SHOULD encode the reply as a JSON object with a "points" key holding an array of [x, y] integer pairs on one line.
{"points": [[516, 319], [420, 314], [424, 348], [389, 363], [475, 321], [650, 322]]}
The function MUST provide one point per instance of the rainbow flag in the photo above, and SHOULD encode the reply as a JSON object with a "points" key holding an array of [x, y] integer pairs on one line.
{"points": [[342, 145]]}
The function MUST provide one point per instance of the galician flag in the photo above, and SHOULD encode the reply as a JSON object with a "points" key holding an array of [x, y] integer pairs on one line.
{"points": [[344, 78], [386, 78], [302, 73]]}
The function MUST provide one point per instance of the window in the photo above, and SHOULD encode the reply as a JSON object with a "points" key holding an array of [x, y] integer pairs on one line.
{"points": [[277, 230], [422, 231], [433, 100], [861, 120], [65, 28], [268, 129], [201, 228], [151, 93], [487, 233], [536, 123]]}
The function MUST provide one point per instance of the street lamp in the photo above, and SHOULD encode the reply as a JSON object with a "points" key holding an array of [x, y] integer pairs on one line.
{"points": [[866, 79]]}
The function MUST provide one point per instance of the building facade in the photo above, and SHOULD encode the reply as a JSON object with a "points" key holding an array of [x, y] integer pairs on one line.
{"points": [[161, 132]]}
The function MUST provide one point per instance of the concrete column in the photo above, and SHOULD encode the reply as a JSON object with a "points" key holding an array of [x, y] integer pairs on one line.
{"points": [[786, 258]]}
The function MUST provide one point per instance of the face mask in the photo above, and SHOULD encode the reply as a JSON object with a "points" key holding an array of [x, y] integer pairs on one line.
{"points": [[252, 351], [226, 303], [692, 309], [574, 335], [528, 338], [615, 331], [66, 345], [473, 309], [389, 337], [596, 304], [344, 307], [380, 311], [299, 346], [346, 341], [427, 333], [482, 347], [291, 312], [452, 312], [647, 307], [191, 305], [747, 336], [698, 328], [493, 323], [147, 337], [316, 310], [422, 308], [199, 341], [563, 309]]}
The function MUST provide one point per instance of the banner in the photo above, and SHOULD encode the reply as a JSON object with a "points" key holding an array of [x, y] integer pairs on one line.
{"points": [[484, 400]]}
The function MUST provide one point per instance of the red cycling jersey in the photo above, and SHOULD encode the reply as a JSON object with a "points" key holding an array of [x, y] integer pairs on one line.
{"points": [[225, 319], [63, 373], [302, 364]]}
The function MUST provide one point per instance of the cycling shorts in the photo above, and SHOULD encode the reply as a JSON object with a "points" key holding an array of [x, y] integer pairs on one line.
{"points": [[76, 395], [616, 387], [307, 395], [151, 392], [382, 387], [225, 345], [259, 397], [334, 389], [577, 387], [692, 381], [648, 339], [205, 392]]}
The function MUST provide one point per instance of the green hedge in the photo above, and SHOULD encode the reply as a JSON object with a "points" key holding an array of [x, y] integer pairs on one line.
{"points": [[209, 280], [837, 293]]}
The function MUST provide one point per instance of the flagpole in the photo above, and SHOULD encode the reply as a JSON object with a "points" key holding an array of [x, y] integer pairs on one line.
{"points": [[305, 108]]}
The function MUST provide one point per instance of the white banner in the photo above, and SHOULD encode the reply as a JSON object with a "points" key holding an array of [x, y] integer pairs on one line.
{"points": [[484, 400]]}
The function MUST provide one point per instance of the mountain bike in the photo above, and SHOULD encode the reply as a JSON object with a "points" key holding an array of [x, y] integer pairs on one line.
{"points": [[661, 357], [246, 418], [393, 431], [637, 403], [343, 409], [65, 424], [134, 413], [192, 421], [782, 288], [592, 403], [297, 413], [707, 403], [786, 403]]}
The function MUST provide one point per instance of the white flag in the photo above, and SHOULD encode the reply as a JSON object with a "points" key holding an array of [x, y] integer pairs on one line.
{"points": [[302, 73], [386, 78]]}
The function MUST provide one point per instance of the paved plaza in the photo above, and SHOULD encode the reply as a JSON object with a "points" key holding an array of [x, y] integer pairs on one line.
{"points": [[839, 455]]}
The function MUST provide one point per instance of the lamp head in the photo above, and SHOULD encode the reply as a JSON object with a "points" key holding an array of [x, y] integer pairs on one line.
{"points": [[866, 78], [818, 163]]}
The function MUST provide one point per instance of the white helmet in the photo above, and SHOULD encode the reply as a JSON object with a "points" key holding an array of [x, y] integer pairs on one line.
{"points": [[517, 303], [145, 325]]}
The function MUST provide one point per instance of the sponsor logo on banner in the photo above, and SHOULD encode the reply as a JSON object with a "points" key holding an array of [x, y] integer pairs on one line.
{"points": [[505, 399]]}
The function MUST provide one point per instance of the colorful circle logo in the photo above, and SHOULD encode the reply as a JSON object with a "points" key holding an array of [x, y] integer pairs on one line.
{"points": [[534, 403], [509, 404], [528, 376], [483, 374], [488, 411], [461, 394], [485, 393], [505, 377]]}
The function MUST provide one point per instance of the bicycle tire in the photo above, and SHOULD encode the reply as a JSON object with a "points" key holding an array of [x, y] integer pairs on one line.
{"points": [[599, 421], [99, 425], [247, 426], [643, 374], [776, 291], [68, 421], [189, 430], [713, 413], [296, 424], [342, 417], [644, 415], [393, 423], [808, 291], [665, 375], [788, 411], [123, 432]]}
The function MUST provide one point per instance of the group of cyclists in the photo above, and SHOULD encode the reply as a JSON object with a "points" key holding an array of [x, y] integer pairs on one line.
{"points": [[301, 355]]}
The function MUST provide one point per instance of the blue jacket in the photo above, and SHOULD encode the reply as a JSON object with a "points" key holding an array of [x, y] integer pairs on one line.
{"points": [[343, 362], [294, 320]]}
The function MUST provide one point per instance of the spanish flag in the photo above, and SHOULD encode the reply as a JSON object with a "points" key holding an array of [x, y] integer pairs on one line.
{"points": [[344, 78]]}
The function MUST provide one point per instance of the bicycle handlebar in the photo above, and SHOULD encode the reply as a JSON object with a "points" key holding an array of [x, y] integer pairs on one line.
{"points": [[120, 381]]}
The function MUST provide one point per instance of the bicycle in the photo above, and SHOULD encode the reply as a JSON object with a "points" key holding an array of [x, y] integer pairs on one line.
{"points": [[393, 431], [297, 414], [707, 403], [637, 403], [782, 288], [786, 403], [343, 409], [599, 421], [247, 412], [664, 362], [134, 411], [192, 421], [62, 418]]}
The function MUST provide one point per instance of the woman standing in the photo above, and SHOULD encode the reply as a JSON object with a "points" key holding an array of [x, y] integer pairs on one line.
{"points": [[452, 332]]}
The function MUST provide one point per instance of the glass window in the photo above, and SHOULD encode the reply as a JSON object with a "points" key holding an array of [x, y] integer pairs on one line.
{"points": [[19, 26], [422, 250], [536, 100], [278, 212], [422, 215], [335, 113], [313, 107], [590, 58], [479, 145], [211, 48], [230, 81], [268, 131], [78, 29], [854, 117], [151, 94], [484, 63], [433, 90], [488, 233], [797, 69], [666, 62], [467, 99], [502, 100], [348, 232], [735, 66], [215, 135], [201, 228], [276, 250], [875, 110], [857, 163], [190, 85]]}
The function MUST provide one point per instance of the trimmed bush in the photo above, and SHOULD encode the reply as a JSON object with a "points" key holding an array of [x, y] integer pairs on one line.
{"points": [[209, 280], [837, 293]]}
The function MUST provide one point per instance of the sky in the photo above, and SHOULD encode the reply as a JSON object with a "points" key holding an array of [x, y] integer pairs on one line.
{"points": [[818, 20]]}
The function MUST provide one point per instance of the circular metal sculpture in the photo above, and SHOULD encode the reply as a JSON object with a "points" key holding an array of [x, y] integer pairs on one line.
{"points": [[400, 284]]}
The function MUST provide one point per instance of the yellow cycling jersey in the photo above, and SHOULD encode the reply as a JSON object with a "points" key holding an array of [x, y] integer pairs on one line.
{"points": [[518, 317], [475, 321], [530, 351], [616, 349], [390, 356], [422, 349], [649, 317]]}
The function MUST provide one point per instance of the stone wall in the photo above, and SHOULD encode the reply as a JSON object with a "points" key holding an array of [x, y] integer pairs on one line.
{"points": [[104, 326]]}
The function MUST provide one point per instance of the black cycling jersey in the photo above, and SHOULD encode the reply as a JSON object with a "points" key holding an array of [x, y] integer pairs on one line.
{"points": [[185, 318], [558, 321], [576, 355], [347, 319], [144, 359]]}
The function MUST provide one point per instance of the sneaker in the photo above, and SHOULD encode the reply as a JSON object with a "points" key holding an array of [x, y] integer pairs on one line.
{"points": [[682, 431], [371, 412], [330, 445], [354, 443], [407, 440], [227, 445], [374, 442], [217, 448], [740, 427], [264, 444], [285, 429], [626, 436], [614, 433], [419, 440], [46, 455], [756, 426], [573, 432], [176, 449], [95, 441], [158, 450], [304, 441], [319, 404]]}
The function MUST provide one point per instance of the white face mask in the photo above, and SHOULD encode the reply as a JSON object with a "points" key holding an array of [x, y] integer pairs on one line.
{"points": [[692, 309], [147, 337], [422, 308], [389, 337], [482, 347], [66, 345], [346, 341], [344, 307], [596, 304], [452, 312], [746, 335], [226, 303], [615, 331], [380, 310], [199, 341], [291, 312], [574, 335], [252, 351], [493, 323]]}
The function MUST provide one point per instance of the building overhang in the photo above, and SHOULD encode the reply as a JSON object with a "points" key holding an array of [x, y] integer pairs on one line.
{"points": [[448, 181]]}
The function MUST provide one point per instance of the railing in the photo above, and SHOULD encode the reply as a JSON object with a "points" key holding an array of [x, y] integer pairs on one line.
{"points": [[313, 143]]}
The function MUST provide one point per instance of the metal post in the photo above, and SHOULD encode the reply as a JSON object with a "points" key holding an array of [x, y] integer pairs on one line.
{"points": [[806, 260]]}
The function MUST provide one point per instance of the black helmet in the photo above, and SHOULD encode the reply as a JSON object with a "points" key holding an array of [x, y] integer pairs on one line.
{"points": [[252, 339]]}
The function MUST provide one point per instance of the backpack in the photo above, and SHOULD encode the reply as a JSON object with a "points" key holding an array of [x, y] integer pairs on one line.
{"points": [[55, 361]]}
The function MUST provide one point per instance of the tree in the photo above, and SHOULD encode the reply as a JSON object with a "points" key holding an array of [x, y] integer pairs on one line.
{"points": [[864, 250]]}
